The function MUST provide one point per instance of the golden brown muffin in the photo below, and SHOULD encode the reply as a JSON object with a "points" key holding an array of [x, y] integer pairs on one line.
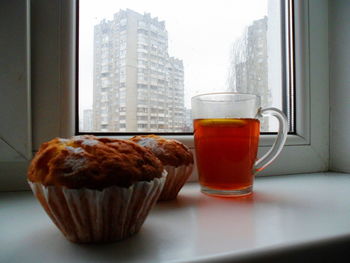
{"points": [[170, 152], [176, 158], [96, 189], [94, 163]]}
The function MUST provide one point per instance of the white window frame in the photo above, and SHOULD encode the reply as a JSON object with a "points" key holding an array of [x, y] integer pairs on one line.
{"points": [[53, 76]]}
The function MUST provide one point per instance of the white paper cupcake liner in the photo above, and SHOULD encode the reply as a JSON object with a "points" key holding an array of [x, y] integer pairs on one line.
{"points": [[176, 178], [89, 216]]}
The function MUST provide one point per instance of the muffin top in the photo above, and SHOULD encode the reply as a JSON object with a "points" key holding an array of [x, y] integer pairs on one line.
{"points": [[91, 162], [170, 152]]}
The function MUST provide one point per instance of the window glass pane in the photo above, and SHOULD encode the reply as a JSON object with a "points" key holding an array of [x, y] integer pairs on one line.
{"points": [[140, 62]]}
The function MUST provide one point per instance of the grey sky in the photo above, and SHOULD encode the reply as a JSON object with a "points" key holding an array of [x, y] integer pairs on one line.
{"points": [[199, 32]]}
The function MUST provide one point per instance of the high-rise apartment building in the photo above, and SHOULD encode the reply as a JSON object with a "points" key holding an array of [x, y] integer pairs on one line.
{"points": [[87, 121], [188, 120], [249, 66], [137, 86]]}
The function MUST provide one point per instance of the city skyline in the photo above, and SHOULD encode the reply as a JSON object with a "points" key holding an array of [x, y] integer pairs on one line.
{"points": [[201, 37], [247, 72], [264, 83]]}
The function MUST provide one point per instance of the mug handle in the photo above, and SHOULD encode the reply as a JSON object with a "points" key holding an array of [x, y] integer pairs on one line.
{"points": [[277, 146]]}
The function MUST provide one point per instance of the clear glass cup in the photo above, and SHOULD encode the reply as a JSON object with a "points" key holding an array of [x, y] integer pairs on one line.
{"points": [[226, 133]]}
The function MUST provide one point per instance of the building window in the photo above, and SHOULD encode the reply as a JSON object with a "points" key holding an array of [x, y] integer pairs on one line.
{"points": [[159, 66], [142, 126]]}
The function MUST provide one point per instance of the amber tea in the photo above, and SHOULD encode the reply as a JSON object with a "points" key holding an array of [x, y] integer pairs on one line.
{"points": [[226, 151], [226, 133]]}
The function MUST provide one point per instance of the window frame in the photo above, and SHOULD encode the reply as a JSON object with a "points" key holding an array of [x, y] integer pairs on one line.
{"points": [[53, 83], [288, 101]]}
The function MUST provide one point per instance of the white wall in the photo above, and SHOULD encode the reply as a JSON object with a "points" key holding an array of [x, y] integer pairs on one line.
{"points": [[36, 79], [15, 93], [339, 52]]}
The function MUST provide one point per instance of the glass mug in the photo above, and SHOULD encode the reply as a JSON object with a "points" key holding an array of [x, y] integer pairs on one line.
{"points": [[226, 134]]}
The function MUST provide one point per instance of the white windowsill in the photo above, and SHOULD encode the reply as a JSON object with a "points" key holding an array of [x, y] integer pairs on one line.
{"points": [[287, 217]]}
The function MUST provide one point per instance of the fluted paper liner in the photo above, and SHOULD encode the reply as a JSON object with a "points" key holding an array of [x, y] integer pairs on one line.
{"points": [[175, 180], [89, 216]]}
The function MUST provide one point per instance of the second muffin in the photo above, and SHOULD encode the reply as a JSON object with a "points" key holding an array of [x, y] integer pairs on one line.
{"points": [[176, 158]]}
